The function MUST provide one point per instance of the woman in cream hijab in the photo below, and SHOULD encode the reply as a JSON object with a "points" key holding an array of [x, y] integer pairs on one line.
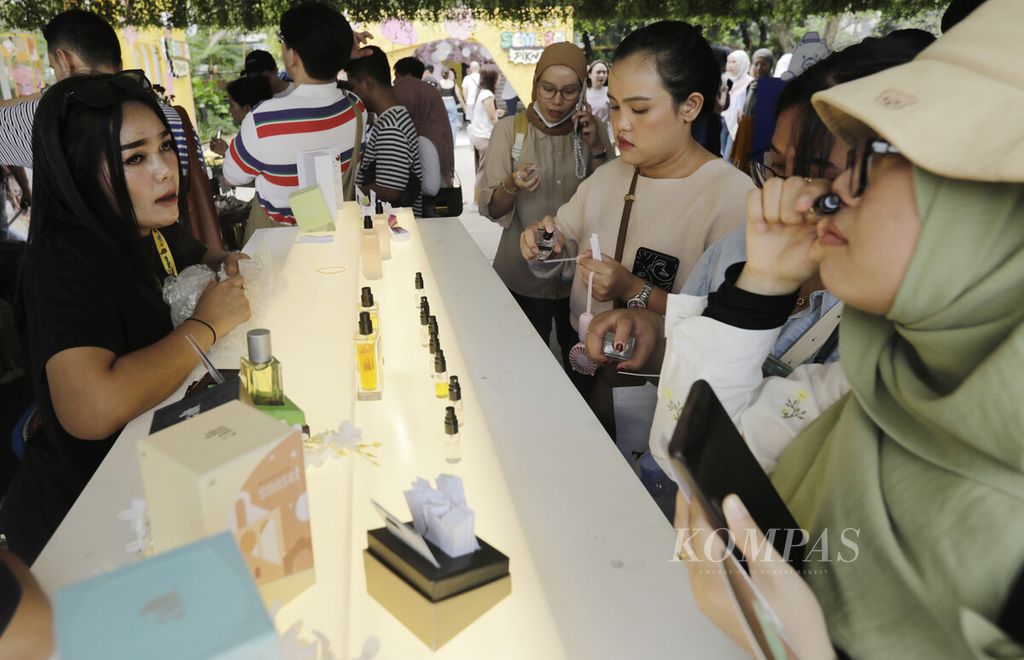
{"points": [[737, 69], [905, 461]]}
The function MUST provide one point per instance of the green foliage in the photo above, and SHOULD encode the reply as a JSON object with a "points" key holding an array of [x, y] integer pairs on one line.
{"points": [[211, 108]]}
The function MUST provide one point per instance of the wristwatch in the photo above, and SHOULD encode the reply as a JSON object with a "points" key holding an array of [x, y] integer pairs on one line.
{"points": [[639, 301]]}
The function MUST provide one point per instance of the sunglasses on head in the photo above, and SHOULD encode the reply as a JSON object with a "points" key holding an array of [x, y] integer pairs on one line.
{"points": [[98, 93]]}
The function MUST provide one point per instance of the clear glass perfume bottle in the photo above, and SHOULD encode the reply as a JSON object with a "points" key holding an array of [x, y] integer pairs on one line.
{"points": [[440, 375], [424, 323], [418, 289], [367, 362], [369, 251], [545, 244], [455, 394], [380, 226], [433, 346], [452, 443], [261, 371]]}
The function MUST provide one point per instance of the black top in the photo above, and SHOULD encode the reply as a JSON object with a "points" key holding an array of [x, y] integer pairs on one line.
{"points": [[76, 293], [10, 596]]}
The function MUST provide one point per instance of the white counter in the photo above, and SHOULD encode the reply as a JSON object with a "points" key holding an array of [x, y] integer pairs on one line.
{"points": [[589, 550]]}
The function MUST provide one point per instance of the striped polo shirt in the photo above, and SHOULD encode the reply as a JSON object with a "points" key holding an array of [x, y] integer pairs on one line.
{"points": [[16, 134], [265, 150]]}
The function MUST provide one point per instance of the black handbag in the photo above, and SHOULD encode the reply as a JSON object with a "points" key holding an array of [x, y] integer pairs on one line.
{"points": [[447, 203], [409, 193]]}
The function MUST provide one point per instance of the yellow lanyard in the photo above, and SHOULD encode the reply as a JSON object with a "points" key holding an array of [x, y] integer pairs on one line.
{"points": [[164, 251]]}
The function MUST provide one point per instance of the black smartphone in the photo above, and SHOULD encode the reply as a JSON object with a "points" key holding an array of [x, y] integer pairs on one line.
{"points": [[712, 460]]}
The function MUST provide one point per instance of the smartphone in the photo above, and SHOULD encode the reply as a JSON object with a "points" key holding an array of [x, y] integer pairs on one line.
{"points": [[711, 460], [218, 133]]}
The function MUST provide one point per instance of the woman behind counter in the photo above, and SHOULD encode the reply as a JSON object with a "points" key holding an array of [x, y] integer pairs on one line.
{"points": [[101, 345], [531, 180]]}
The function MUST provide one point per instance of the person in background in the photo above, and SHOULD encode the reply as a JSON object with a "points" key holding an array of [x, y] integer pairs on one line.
{"points": [[509, 97], [244, 94], [26, 618], [737, 68], [485, 113], [534, 179], [437, 148], [317, 43], [451, 95], [470, 88], [390, 165], [261, 64], [429, 77], [597, 90], [410, 67], [663, 79], [104, 234]]}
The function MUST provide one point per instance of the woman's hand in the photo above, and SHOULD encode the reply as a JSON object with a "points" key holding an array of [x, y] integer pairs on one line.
{"points": [[528, 239], [647, 327], [524, 178], [218, 146], [588, 129], [231, 262], [785, 592], [781, 228], [359, 40], [224, 305], [611, 279]]}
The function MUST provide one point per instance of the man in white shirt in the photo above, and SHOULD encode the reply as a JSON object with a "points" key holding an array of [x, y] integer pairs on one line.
{"points": [[470, 88]]}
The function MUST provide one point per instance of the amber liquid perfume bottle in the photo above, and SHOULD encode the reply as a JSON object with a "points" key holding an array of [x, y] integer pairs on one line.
{"points": [[367, 361], [440, 375], [261, 372]]}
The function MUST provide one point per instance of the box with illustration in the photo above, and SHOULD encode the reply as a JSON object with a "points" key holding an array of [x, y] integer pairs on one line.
{"points": [[233, 468]]}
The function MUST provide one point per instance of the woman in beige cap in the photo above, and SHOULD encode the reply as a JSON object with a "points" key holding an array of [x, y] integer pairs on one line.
{"points": [[910, 484]]}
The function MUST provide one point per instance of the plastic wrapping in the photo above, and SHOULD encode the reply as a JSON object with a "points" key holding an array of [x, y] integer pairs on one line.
{"points": [[183, 292]]}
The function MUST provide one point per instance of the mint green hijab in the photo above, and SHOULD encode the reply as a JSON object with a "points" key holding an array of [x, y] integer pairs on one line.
{"points": [[925, 456]]}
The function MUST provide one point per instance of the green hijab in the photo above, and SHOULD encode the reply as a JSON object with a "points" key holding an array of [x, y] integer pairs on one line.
{"points": [[925, 456]]}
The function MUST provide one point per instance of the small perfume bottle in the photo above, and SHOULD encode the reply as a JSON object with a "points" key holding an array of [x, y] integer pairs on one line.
{"points": [[369, 251], [434, 346], [455, 394], [440, 375], [432, 324], [368, 305], [545, 244], [380, 226], [452, 444], [424, 327], [367, 363], [261, 372], [418, 289]]}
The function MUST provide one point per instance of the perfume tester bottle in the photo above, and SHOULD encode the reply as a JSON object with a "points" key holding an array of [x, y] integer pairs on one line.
{"points": [[418, 290], [452, 444], [545, 244], [455, 394], [440, 375], [369, 251], [380, 226], [367, 360], [261, 372]]}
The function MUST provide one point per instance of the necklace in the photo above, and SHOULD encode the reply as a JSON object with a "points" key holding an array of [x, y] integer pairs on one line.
{"points": [[577, 151]]}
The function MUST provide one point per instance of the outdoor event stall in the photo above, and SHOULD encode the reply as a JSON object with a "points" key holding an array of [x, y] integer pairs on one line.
{"points": [[590, 554]]}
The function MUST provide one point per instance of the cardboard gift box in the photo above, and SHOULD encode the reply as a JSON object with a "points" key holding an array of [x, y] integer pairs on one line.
{"points": [[435, 604], [233, 468], [198, 601]]}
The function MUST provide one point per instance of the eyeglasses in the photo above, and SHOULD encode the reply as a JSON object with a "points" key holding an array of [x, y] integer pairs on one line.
{"points": [[548, 91], [860, 161], [761, 172], [99, 92]]}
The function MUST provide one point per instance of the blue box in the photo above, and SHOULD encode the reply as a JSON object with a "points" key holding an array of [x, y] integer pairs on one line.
{"points": [[198, 601]]}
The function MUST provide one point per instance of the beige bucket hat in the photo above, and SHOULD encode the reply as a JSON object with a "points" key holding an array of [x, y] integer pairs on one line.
{"points": [[956, 110]]}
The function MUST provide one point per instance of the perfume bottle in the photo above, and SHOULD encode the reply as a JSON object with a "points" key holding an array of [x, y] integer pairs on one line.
{"points": [[369, 251], [261, 372], [418, 290], [367, 304], [424, 328], [440, 375], [452, 444], [367, 363], [380, 225], [434, 346], [432, 324], [545, 244], [455, 394]]}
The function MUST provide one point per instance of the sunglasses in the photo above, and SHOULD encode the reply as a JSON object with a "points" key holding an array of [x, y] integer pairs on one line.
{"points": [[860, 162], [99, 93]]}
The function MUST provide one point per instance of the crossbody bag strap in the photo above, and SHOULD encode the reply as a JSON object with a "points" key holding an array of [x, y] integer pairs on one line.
{"points": [[813, 340], [627, 211]]}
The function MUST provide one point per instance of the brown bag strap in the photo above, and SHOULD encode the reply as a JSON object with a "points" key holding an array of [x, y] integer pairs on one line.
{"points": [[627, 210]]}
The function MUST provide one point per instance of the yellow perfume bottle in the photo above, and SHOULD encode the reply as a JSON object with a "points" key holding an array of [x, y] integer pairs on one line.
{"points": [[440, 375], [367, 363], [261, 371]]}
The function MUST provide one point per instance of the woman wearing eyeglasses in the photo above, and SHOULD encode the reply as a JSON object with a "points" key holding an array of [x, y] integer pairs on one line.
{"points": [[658, 206], [104, 234], [917, 446], [535, 162]]}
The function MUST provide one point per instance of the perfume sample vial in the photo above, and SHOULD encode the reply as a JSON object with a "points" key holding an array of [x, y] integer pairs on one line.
{"points": [[417, 286], [455, 394], [545, 244], [434, 346], [440, 375], [380, 226], [367, 362], [261, 372], [369, 251], [368, 305], [424, 327], [452, 444]]}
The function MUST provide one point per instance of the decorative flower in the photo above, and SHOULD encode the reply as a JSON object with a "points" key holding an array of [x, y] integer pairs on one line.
{"points": [[136, 517], [346, 440]]}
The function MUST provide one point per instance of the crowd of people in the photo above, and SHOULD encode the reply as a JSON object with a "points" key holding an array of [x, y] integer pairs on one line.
{"points": [[836, 253]]}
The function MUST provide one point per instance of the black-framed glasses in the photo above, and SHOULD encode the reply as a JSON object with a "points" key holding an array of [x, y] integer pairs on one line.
{"points": [[860, 162], [760, 172], [100, 92], [547, 91]]}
